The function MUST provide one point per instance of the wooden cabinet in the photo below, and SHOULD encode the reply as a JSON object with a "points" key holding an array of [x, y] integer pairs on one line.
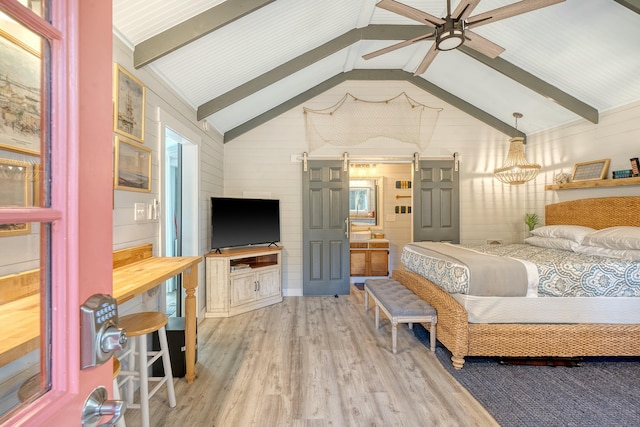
{"points": [[242, 279], [370, 258]]}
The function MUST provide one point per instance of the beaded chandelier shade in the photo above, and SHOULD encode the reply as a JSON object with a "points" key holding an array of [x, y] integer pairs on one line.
{"points": [[516, 169]]}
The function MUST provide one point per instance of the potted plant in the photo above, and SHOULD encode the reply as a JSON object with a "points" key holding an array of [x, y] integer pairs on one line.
{"points": [[531, 220]]}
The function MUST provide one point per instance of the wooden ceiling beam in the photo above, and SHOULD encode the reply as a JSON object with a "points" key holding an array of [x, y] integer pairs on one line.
{"points": [[536, 84], [192, 29], [391, 32], [372, 32], [633, 5], [380, 75]]}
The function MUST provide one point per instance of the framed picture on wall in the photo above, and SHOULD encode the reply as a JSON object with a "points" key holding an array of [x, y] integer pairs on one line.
{"points": [[132, 166], [128, 104], [20, 76], [15, 177], [586, 171]]}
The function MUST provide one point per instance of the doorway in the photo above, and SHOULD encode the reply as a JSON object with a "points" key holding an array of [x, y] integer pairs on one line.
{"points": [[179, 193], [173, 217]]}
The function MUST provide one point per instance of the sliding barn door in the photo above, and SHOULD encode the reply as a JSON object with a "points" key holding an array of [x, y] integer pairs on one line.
{"points": [[436, 202], [325, 238]]}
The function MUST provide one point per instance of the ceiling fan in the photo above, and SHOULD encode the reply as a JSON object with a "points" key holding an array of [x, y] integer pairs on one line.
{"points": [[454, 30]]}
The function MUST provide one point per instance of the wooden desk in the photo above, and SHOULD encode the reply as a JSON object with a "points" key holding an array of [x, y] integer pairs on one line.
{"points": [[134, 279], [128, 281]]}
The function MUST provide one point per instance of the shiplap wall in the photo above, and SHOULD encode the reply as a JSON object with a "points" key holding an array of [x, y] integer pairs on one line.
{"points": [[127, 232], [264, 159], [615, 137]]}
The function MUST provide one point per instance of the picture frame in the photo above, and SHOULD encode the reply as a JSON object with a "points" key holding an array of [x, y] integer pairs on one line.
{"points": [[15, 177], [128, 104], [635, 166], [588, 171], [20, 77], [132, 166]]}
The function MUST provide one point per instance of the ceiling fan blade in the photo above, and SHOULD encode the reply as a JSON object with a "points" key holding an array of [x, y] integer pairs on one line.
{"points": [[509, 11], [464, 9], [410, 12], [428, 59], [397, 46], [482, 45]]}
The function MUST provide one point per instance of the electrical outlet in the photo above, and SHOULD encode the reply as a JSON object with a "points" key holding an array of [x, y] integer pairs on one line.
{"points": [[390, 217], [140, 212]]}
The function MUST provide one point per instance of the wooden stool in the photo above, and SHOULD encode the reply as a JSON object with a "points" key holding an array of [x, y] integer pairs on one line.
{"points": [[140, 325]]}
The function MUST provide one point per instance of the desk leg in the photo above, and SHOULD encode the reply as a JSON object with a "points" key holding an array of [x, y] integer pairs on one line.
{"points": [[190, 281]]}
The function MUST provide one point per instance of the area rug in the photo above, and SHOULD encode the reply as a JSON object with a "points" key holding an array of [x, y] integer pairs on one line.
{"points": [[592, 391]]}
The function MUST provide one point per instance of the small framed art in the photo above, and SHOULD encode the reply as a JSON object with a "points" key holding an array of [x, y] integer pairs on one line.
{"points": [[596, 169], [132, 166], [128, 104], [20, 74]]}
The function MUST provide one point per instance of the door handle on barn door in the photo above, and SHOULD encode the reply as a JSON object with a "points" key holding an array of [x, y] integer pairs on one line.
{"points": [[347, 227]]}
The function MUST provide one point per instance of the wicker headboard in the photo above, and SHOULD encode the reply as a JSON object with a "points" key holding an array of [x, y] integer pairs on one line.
{"points": [[595, 213]]}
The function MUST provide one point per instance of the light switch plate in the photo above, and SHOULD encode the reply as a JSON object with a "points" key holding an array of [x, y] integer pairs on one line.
{"points": [[140, 212]]}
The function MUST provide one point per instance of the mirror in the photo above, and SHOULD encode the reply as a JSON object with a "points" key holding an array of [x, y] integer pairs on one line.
{"points": [[365, 201]]}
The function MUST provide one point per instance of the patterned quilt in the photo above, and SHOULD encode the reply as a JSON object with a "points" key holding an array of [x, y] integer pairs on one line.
{"points": [[561, 273]]}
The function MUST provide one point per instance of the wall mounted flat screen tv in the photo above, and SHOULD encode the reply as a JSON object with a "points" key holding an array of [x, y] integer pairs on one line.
{"points": [[244, 222]]}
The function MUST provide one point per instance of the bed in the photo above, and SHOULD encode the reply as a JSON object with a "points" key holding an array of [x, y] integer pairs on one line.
{"points": [[611, 328]]}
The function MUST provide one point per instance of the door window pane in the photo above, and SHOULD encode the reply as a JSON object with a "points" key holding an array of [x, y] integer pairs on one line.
{"points": [[24, 244], [24, 370]]}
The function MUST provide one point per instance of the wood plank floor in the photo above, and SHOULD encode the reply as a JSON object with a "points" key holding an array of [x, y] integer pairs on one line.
{"points": [[313, 362]]}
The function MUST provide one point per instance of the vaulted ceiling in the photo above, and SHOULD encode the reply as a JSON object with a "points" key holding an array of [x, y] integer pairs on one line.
{"points": [[240, 63]]}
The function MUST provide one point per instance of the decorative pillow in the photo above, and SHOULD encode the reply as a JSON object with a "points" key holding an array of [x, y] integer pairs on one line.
{"points": [[629, 254], [622, 237], [552, 242], [572, 232]]}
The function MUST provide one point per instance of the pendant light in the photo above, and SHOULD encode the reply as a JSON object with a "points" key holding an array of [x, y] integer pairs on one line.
{"points": [[516, 169]]}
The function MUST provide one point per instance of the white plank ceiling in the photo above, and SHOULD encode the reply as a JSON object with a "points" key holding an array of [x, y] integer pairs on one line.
{"points": [[586, 49]]}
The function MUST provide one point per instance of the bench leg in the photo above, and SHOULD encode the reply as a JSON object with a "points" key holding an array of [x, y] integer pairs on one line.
{"points": [[410, 325], [394, 336], [366, 300], [432, 335], [377, 316]]}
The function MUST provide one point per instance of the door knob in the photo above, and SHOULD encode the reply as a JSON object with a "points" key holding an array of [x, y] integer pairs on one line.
{"points": [[98, 405]]}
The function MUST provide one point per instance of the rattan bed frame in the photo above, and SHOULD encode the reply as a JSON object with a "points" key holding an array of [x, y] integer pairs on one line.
{"points": [[536, 340]]}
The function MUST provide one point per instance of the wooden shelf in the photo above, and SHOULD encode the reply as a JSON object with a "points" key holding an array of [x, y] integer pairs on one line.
{"points": [[594, 184]]}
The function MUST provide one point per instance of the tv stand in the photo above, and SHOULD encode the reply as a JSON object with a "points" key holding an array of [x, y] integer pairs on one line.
{"points": [[242, 279]]}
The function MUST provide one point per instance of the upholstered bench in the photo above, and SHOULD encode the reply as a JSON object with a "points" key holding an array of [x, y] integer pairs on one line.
{"points": [[401, 306]]}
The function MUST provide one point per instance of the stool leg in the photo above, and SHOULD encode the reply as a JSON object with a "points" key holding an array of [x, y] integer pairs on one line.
{"points": [[130, 386], [116, 396], [166, 363], [144, 379]]}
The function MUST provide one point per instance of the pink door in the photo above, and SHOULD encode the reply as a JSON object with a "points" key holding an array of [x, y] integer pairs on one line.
{"points": [[55, 201]]}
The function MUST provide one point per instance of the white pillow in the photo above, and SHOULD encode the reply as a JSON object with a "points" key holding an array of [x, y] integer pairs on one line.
{"points": [[629, 254], [552, 242], [572, 232], [622, 237]]}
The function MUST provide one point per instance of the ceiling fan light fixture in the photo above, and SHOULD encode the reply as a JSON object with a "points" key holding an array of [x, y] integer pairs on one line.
{"points": [[450, 35]]}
